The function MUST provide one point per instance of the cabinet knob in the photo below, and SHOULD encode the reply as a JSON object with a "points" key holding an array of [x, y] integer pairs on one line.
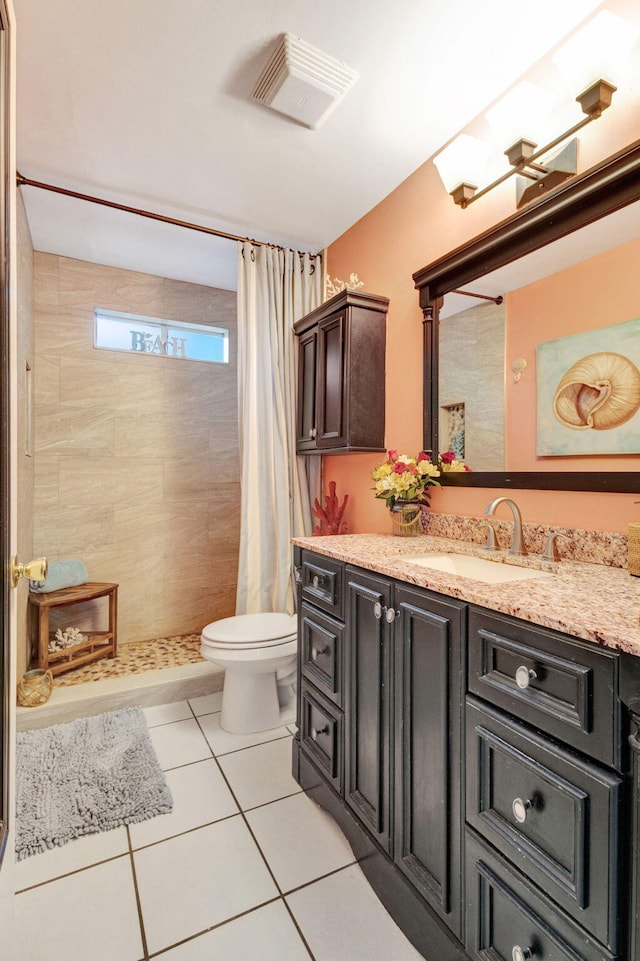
{"points": [[524, 676], [312, 433], [520, 808], [317, 652], [317, 731], [377, 610], [317, 581], [521, 954], [390, 615]]}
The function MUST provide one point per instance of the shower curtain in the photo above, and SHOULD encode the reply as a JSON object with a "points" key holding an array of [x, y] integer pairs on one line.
{"points": [[275, 288]]}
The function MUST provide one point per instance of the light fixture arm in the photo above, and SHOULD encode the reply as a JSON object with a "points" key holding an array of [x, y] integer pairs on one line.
{"points": [[593, 101]]}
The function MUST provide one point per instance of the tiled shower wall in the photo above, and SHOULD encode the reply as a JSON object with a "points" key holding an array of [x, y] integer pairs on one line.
{"points": [[136, 456]]}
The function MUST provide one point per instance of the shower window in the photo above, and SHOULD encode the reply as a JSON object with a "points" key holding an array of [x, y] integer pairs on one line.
{"points": [[163, 338]]}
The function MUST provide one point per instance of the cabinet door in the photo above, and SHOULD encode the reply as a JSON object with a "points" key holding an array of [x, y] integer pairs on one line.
{"points": [[331, 387], [306, 412], [634, 914], [368, 703], [427, 751]]}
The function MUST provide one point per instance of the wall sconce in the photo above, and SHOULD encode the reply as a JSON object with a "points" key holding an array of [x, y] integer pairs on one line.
{"points": [[523, 155], [517, 367]]}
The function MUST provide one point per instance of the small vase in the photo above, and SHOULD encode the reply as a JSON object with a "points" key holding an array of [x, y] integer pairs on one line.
{"points": [[405, 518], [35, 688]]}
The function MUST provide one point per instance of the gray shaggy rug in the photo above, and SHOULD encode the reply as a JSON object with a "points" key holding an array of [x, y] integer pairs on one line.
{"points": [[90, 775]]}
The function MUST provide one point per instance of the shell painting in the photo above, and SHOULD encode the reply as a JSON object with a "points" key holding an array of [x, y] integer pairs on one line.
{"points": [[599, 392]]}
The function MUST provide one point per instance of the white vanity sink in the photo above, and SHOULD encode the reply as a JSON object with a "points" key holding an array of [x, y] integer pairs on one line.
{"points": [[490, 572]]}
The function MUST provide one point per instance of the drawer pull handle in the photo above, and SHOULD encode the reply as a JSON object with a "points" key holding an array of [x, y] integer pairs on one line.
{"points": [[317, 582], [520, 808], [317, 731], [521, 954], [524, 676], [317, 652]]}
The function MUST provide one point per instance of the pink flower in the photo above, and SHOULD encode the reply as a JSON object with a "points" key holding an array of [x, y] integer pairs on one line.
{"points": [[422, 456], [448, 457], [393, 455], [400, 467]]}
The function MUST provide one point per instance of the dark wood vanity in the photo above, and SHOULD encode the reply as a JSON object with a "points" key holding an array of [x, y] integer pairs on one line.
{"points": [[484, 769]]}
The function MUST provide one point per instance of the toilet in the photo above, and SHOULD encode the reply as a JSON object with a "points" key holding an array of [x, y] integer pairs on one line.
{"points": [[258, 654]]}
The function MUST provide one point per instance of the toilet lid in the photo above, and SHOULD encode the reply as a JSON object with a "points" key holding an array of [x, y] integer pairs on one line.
{"points": [[252, 630], [245, 645]]}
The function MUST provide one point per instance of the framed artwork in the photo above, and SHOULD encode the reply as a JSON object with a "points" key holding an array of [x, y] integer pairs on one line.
{"points": [[588, 392]]}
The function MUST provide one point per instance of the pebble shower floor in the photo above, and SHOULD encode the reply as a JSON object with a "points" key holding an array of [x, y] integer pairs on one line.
{"points": [[137, 658]]}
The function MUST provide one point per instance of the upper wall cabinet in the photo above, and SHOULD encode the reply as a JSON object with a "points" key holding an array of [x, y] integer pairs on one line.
{"points": [[341, 376]]}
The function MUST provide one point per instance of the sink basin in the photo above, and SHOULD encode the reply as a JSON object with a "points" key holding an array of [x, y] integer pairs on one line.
{"points": [[490, 572]]}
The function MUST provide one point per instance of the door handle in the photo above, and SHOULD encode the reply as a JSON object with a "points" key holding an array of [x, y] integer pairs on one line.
{"points": [[35, 570]]}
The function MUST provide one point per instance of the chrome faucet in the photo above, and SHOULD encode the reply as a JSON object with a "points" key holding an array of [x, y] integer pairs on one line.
{"points": [[517, 544]]}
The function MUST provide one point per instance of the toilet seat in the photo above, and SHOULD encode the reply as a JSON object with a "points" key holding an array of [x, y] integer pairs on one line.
{"points": [[250, 631]]}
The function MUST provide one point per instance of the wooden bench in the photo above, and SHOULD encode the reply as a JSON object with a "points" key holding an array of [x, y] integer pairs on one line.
{"points": [[98, 644]]}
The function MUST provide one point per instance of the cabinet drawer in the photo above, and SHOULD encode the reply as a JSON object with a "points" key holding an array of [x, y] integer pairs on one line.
{"points": [[322, 580], [504, 914], [562, 686], [321, 735], [321, 643], [552, 814]]}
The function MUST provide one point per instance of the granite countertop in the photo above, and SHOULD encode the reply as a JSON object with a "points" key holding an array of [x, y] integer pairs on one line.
{"points": [[589, 601]]}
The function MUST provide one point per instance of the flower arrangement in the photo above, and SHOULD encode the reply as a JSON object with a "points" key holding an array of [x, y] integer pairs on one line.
{"points": [[404, 478]]}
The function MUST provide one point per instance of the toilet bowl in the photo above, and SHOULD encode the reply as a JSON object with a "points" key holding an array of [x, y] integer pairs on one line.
{"points": [[258, 654]]}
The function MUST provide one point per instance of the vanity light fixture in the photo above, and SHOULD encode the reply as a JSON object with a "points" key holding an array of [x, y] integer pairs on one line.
{"points": [[523, 155]]}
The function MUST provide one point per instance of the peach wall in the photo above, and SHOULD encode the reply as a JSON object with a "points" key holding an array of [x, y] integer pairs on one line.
{"points": [[410, 228], [584, 297]]}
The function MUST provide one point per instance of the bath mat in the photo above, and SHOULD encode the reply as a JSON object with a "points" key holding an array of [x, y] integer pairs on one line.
{"points": [[90, 775]]}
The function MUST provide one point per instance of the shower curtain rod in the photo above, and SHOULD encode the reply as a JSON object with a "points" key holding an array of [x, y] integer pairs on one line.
{"points": [[26, 182]]}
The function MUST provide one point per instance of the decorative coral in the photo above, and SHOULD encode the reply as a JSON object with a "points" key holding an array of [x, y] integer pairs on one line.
{"points": [[335, 286], [63, 639], [330, 516]]}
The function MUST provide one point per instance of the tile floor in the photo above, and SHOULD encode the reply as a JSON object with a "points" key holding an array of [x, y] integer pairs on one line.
{"points": [[245, 868]]}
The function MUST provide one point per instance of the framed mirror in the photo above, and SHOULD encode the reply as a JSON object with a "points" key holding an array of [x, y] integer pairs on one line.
{"points": [[555, 277]]}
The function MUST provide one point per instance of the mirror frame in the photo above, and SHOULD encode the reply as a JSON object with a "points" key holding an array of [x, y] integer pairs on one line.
{"points": [[588, 197]]}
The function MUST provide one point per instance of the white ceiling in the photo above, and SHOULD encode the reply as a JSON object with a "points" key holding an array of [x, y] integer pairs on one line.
{"points": [[147, 103]]}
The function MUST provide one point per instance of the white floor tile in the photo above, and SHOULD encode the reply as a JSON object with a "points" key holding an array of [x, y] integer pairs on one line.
{"points": [[200, 796], [207, 704], [192, 882], [179, 743], [267, 934], [299, 840], [222, 742], [73, 856], [343, 920], [91, 914], [166, 713], [260, 774]]}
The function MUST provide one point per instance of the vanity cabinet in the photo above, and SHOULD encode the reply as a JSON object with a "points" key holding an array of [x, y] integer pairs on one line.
{"points": [[381, 692], [485, 770], [341, 375]]}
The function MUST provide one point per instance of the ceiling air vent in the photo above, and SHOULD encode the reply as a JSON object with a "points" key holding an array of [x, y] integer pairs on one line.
{"points": [[302, 82]]}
